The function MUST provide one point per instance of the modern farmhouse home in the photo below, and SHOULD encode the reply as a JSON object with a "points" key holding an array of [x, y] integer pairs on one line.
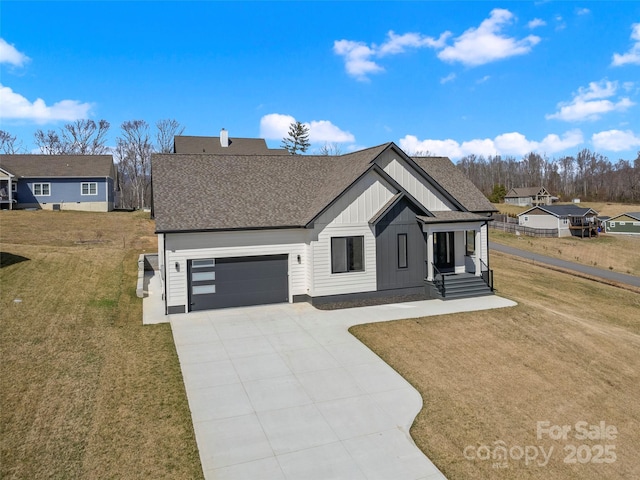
{"points": [[239, 229], [528, 196], [58, 182]]}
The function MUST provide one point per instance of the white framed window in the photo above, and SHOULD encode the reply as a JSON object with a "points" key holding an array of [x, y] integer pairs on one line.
{"points": [[622, 223], [42, 189], [526, 219], [347, 254], [470, 241], [14, 187], [612, 224], [89, 188]]}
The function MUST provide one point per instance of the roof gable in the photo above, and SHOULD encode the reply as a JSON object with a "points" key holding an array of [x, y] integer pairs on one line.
{"points": [[63, 166], [632, 215], [527, 192], [442, 172]]}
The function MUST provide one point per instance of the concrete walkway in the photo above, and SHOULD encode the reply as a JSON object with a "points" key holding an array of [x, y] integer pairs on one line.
{"points": [[285, 392], [577, 267]]}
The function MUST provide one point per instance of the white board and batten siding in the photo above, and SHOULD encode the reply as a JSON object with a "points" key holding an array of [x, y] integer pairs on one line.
{"points": [[181, 247], [349, 216], [414, 183]]}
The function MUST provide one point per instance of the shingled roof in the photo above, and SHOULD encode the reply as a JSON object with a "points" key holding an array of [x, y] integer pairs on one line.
{"points": [[446, 174], [225, 192], [237, 146], [221, 192], [562, 210], [66, 166]]}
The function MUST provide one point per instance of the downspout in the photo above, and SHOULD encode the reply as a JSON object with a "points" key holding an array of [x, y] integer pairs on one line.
{"points": [[486, 226], [163, 271], [10, 185]]}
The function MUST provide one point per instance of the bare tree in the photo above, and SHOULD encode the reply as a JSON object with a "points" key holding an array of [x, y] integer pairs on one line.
{"points": [[9, 144], [81, 137], [85, 137], [133, 152], [49, 142], [330, 149], [167, 129]]}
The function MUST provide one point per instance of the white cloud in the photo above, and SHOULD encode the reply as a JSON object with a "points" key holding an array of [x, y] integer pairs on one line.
{"points": [[321, 131], [535, 23], [633, 55], [615, 140], [448, 78], [483, 79], [357, 58], [15, 106], [485, 44], [590, 103], [399, 43], [583, 11], [512, 143], [10, 54], [476, 46], [275, 126]]}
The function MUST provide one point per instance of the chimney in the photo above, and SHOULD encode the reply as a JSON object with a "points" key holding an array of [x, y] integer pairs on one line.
{"points": [[224, 138]]}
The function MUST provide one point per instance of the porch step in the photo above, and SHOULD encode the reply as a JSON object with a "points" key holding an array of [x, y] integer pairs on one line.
{"points": [[463, 286]]}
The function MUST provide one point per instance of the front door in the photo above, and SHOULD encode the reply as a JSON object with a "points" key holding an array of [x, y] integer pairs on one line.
{"points": [[443, 254]]}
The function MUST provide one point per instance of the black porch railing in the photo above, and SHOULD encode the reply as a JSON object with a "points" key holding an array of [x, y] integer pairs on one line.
{"points": [[438, 280], [487, 274]]}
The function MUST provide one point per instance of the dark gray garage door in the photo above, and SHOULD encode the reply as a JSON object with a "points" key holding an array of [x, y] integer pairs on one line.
{"points": [[238, 281]]}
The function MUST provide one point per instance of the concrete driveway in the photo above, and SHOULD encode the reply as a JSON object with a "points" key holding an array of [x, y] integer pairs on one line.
{"points": [[285, 392]]}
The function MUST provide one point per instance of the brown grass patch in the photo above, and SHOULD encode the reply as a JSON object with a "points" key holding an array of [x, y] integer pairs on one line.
{"points": [[616, 253], [568, 352], [86, 390]]}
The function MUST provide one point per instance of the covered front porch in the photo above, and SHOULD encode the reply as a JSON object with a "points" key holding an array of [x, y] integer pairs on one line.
{"points": [[7, 190], [457, 263]]}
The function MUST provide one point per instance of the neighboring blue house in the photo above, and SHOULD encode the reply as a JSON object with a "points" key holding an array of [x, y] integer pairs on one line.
{"points": [[57, 182]]}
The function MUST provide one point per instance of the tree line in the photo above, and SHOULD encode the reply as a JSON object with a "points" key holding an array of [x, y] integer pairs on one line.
{"points": [[588, 175], [135, 143]]}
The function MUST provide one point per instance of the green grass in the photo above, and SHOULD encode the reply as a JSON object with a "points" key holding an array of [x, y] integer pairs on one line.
{"points": [[86, 390]]}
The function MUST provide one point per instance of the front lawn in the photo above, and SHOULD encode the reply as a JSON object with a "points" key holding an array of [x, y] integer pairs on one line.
{"points": [[86, 391], [567, 353]]}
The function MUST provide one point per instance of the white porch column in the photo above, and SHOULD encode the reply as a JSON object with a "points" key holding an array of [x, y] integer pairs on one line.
{"points": [[478, 251], [430, 255]]}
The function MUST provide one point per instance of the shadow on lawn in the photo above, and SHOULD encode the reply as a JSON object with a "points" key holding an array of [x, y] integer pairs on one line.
{"points": [[7, 259]]}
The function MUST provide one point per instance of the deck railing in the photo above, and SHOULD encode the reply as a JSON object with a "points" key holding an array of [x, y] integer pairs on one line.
{"points": [[487, 274]]}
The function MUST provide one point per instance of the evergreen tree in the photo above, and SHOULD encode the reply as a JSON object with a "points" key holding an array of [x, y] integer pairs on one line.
{"points": [[297, 140]]}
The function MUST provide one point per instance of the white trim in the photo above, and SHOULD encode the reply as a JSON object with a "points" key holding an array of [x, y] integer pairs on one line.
{"points": [[41, 184], [82, 184]]}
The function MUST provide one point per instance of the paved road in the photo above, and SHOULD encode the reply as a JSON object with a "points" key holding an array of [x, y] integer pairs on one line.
{"points": [[595, 272]]}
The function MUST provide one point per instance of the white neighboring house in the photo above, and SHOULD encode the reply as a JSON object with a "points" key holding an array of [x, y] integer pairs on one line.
{"points": [[249, 229], [565, 218]]}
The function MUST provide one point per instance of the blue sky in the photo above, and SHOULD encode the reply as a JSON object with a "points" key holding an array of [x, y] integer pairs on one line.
{"points": [[447, 78]]}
